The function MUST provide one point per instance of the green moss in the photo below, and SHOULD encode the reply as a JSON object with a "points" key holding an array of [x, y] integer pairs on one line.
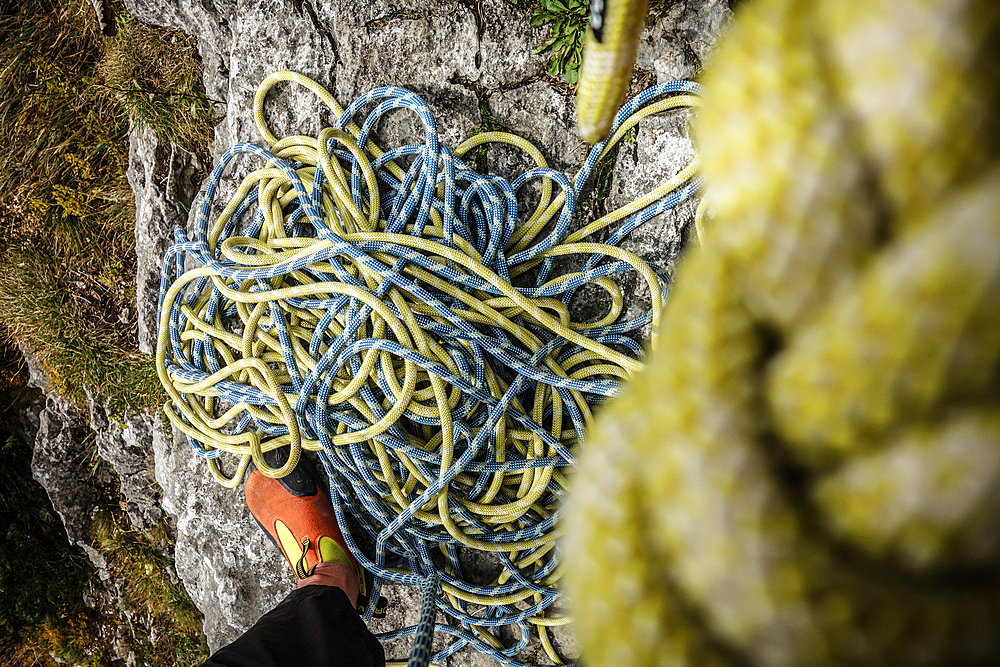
{"points": [[487, 124]]}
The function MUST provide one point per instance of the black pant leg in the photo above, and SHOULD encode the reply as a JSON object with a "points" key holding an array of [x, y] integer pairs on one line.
{"points": [[315, 626]]}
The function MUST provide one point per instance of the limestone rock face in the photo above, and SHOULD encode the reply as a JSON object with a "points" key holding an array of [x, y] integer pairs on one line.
{"points": [[77, 482], [544, 117], [79, 461], [127, 446], [680, 44], [229, 568], [161, 203], [661, 149], [59, 462], [60, 456], [462, 58]]}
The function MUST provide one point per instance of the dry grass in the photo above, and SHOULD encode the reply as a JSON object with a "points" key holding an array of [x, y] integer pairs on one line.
{"points": [[155, 75], [67, 261]]}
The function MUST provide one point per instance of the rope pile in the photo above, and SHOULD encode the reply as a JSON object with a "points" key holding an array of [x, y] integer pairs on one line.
{"points": [[407, 323], [811, 475]]}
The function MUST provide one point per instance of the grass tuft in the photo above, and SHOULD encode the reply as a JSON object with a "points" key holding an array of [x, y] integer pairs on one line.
{"points": [[487, 124], [76, 335], [67, 260], [144, 569], [156, 77]]}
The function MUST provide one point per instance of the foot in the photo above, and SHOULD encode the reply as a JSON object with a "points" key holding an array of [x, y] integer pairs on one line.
{"points": [[299, 518]]}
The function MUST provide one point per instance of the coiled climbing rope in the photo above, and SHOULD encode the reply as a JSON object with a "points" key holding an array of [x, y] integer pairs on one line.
{"points": [[811, 475], [411, 325]]}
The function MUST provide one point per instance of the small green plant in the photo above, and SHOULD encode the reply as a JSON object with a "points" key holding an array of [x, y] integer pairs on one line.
{"points": [[603, 173], [188, 650], [568, 19]]}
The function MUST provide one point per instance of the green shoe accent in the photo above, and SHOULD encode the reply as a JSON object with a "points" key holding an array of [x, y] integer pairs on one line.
{"points": [[331, 552]]}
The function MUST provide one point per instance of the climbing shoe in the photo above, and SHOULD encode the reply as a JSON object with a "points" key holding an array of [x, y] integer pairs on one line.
{"points": [[299, 518]]}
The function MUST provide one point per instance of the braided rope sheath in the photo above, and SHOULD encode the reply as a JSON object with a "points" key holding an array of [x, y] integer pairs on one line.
{"points": [[408, 324], [607, 63], [811, 474]]}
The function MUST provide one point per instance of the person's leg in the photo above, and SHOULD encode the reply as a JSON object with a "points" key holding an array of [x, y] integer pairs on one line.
{"points": [[318, 624], [313, 626]]}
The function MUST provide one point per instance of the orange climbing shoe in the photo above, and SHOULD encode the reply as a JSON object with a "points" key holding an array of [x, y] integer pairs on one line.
{"points": [[298, 517]]}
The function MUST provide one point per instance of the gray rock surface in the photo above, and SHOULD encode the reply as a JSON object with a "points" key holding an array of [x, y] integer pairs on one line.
{"points": [[62, 462], [127, 444], [164, 178], [71, 455], [229, 568], [678, 46], [544, 117], [80, 463], [661, 149], [462, 57]]}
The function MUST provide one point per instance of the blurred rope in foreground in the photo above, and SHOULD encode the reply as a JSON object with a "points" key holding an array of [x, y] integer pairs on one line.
{"points": [[811, 474]]}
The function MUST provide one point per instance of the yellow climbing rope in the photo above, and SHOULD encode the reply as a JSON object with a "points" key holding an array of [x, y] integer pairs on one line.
{"points": [[394, 312], [608, 60], [808, 470]]}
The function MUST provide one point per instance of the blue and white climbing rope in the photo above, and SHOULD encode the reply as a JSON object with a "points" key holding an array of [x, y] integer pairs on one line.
{"points": [[411, 325]]}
